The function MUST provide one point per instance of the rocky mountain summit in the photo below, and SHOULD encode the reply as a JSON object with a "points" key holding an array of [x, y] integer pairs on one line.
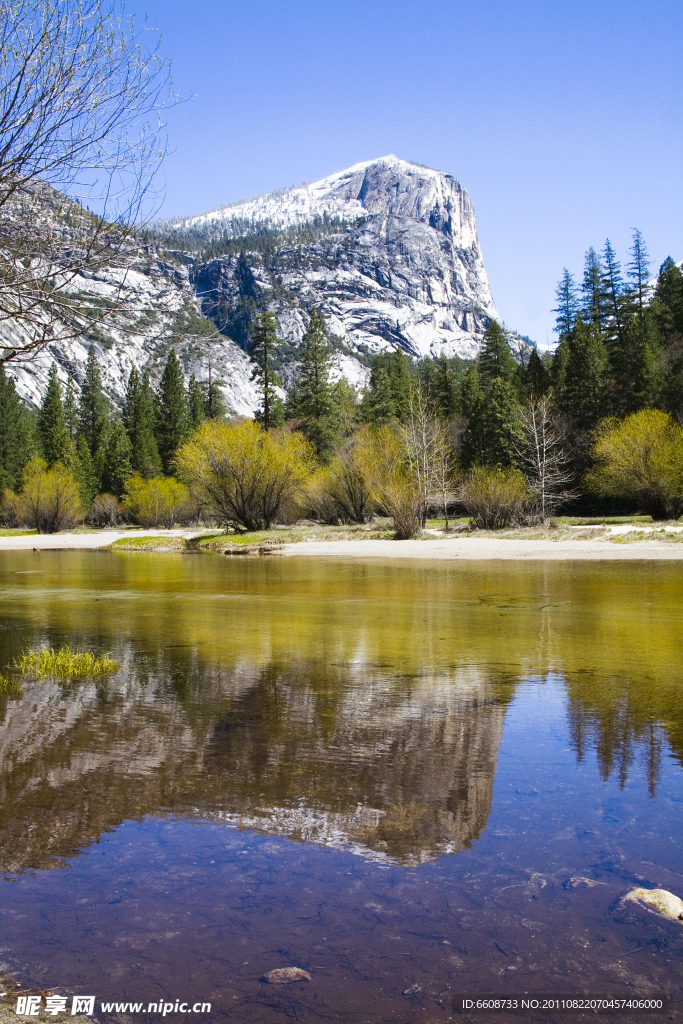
{"points": [[387, 250]]}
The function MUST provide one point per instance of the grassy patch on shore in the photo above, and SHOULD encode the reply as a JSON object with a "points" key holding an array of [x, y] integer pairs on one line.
{"points": [[7, 532], [64, 663], [150, 544], [271, 540]]}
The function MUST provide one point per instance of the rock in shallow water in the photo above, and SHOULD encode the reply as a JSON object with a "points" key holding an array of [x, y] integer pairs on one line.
{"points": [[659, 901], [286, 975]]}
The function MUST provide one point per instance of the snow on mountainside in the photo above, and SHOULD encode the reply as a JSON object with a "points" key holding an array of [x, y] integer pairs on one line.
{"points": [[387, 249], [403, 267]]}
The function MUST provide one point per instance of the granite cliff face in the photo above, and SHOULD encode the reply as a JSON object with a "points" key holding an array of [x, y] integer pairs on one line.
{"points": [[396, 261], [387, 249]]}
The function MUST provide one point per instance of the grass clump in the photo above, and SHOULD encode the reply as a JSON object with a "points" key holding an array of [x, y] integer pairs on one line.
{"points": [[64, 663], [9, 687]]}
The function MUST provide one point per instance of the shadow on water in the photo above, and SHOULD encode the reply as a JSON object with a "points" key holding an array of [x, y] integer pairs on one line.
{"points": [[408, 779]]}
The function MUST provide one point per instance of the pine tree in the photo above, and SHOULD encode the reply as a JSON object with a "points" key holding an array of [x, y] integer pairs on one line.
{"points": [[172, 412], [312, 399], [92, 409], [495, 360], [15, 440], [593, 303], [379, 403], [264, 339], [568, 304], [71, 410], [138, 419], [537, 376], [116, 460], [638, 270], [86, 473], [214, 404], [196, 402], [612, 290], [492, 436], [667, 302], [580, 380], [443, 388], [634, 374], [54, 435]]}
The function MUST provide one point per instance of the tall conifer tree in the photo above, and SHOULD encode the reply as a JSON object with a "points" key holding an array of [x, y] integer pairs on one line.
{"points": [[311, 398], [54, 435], [568, 304], [638, 269], [15, 441], [264, 340], [92, 409], [173, 423], [495, 360], [580, 384], [116, 460], [593, 302], [613, 290], [71, 410], [138, 419]]}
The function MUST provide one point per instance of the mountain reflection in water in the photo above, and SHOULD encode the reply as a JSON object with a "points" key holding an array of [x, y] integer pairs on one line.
{"points": [[357, 706]]}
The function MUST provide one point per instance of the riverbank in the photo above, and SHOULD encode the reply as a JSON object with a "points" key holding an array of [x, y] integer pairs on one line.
{"points": [[585, 543]]}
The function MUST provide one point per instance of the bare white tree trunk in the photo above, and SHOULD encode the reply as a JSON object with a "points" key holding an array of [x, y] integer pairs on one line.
{"points": [[546, 459]]}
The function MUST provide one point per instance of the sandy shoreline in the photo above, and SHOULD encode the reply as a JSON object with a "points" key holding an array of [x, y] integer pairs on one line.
{"points": [[466, 548]]}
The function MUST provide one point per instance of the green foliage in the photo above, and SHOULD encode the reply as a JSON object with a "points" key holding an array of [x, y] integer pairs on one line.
{"points": [[195, 402], [160, 501], [16, 440], [173, 425], [64, 663], [495, 498], [388, 395], [71, 410], [264, 340], [116, 460], [92, 409], [580, 376], [139, 420], [593, 302], [246, 476], [311, 399], [439, 379], [568, 304], [52, 427], [495, 360], [492, 433], [10, 687], [50, 498], [641, 457]]}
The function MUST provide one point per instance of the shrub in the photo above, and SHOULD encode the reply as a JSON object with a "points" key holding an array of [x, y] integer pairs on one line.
{"points": [[495, 498], [9, 509], [161, 501], [381, 455], [106, 510], [641, 457], [341, 492], [50, 498], [247, 477]]}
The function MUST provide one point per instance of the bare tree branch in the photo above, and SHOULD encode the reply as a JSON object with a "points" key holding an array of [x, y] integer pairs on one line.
{"points": [[80, 105], [546, 459]]}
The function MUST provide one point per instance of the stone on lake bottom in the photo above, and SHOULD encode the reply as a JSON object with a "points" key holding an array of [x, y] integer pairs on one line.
{"points": [[658, 900], [286, 975]]}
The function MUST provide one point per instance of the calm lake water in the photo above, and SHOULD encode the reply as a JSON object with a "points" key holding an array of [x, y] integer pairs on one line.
{"points": [[411, 780]]}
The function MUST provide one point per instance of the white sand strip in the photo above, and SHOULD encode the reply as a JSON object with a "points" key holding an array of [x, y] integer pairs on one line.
{"points": [[479, 548]]}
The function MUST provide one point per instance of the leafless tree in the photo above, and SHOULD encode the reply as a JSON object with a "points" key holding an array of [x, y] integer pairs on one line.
{"points": [[428, 454], [546, 459], [80, 107]]}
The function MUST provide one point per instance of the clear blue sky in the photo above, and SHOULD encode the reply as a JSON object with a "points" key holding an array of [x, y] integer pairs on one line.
{"points": [[562, 118]]}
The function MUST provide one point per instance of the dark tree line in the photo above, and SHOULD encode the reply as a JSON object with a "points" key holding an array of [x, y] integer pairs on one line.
{"points": [[102, 449]]}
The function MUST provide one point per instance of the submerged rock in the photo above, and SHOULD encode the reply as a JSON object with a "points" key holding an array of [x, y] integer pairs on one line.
{"points": [[286, 975], [659, 901]]}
